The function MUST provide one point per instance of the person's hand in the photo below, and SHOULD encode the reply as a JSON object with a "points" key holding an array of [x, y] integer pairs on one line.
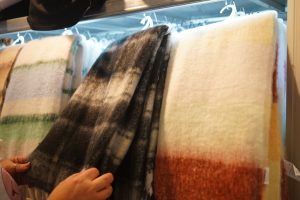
{"points": [[16, 166], [85, 185]]}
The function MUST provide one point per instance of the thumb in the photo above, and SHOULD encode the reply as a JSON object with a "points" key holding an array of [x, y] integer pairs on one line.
{"points": [[20, 168]]}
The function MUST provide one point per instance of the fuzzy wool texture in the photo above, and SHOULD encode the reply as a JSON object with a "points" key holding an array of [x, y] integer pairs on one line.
{"points": [[216, 114], [111, 121], [41, 83], [277, 188]]}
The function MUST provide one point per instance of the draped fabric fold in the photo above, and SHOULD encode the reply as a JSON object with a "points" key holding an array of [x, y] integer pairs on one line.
{"points": [[8, 57], [111, 121]]}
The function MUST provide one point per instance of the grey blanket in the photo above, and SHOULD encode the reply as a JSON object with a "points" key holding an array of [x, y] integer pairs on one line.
{"points": [[111, 122]]}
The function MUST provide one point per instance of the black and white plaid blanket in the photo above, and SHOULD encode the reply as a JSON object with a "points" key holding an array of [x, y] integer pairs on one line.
{"points": [[111, 122]]}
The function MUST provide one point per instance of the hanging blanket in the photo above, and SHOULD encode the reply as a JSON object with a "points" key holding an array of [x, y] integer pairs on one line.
{"points": [[277, 188], [7, 60], [111, 122], [216, 116], [41, 84]]}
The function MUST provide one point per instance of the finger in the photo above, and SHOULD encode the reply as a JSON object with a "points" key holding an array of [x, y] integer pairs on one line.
{"points": [[20, 168], [16, 159], [9, 166], [19, 159], [105, 193], [83, 169], [73, 176], [90, 173], [103, 181]]}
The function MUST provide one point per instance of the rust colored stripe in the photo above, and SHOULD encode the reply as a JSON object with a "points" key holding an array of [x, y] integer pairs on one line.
{"points": [[196, 179]]}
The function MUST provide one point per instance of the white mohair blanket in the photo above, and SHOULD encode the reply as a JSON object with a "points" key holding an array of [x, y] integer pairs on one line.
{"points": [[216, 116]]}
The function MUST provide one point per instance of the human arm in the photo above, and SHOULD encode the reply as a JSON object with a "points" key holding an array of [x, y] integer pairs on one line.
{"points": [[85, 185]]}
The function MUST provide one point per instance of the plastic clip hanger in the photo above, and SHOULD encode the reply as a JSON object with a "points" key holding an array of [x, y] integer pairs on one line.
{"points": [[82, 36], [91, 38], [20, 40], [233, 9], [29, 35], [147, 22]]}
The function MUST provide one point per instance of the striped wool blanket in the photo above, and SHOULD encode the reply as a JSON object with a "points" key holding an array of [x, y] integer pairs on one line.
{"points": [[41, 83], [219, 133], [111, 121], [7, 60], [277, 188]]}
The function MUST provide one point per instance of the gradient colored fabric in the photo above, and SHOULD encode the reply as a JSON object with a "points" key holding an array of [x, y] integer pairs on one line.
{"points": [[111, 122], [277, 188], [215, 125], [41, 83], [7, 60]]}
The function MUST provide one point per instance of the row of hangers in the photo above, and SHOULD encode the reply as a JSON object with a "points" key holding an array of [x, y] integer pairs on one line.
{"points": [[229, 5], [146, 21]]}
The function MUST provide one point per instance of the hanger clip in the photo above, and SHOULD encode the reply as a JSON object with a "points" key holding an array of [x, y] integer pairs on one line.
{"points": [[20, 40], [147, 22], [291, 170], [231, 6]]}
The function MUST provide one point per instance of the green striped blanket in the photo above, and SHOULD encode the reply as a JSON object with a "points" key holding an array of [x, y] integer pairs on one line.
{"points": [[42, 81]]}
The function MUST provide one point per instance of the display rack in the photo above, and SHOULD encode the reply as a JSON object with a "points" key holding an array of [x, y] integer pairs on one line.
{"points": [[113, 8]]}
